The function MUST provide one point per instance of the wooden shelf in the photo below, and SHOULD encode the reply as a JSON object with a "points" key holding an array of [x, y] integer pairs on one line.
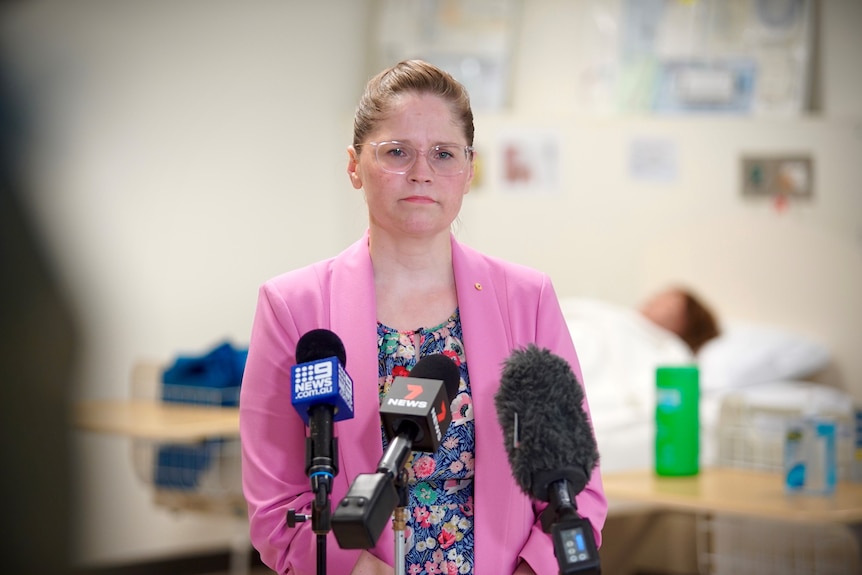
{"points": [[157, 420]]}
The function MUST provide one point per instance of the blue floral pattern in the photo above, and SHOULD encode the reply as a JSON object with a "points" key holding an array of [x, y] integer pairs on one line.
{"points": [[439, 533]]}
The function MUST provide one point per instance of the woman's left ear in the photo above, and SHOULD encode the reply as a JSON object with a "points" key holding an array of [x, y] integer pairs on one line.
{"points": [[353, 168]]}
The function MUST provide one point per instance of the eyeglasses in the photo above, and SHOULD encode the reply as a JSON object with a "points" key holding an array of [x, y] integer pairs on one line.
{"points": [[398, 157]]}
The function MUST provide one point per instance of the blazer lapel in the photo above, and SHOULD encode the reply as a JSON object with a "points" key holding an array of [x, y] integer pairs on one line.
{"points": [[487, 343], [353, 317], [353, 314]]}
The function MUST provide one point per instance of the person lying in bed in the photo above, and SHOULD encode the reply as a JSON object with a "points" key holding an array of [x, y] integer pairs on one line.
{"points": [[681, 311], [619, 348]]}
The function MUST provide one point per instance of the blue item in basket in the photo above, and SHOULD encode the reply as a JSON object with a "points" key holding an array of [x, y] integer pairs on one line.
{"points": [[180, 466], [213, 378]]}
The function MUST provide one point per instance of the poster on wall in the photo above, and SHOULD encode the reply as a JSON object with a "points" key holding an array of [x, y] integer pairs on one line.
{"points": [[697, 56], [529, 162], [470, 39]]}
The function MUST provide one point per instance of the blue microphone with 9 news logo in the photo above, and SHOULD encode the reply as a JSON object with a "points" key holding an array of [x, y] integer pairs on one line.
{"points": [[322, 393]]}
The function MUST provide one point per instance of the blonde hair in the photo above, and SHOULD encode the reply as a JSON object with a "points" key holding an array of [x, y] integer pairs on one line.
{"points": [[410, 76]]}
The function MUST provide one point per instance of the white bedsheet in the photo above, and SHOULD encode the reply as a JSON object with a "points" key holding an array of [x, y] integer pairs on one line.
{"points": [[619, 350]]}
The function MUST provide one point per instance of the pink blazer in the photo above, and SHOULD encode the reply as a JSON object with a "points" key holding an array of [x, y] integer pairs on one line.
{"points": [[503, 307]]}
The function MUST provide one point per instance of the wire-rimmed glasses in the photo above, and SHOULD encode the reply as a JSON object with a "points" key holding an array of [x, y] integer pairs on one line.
{"points": [[444, 159]]}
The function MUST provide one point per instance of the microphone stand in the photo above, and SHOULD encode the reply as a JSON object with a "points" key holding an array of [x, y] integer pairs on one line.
{"points": [[321, 455], [319, 516], [399, 522]]}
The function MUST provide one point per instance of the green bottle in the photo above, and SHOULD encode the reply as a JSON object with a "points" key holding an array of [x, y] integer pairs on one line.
{"points": [[677, 420]]}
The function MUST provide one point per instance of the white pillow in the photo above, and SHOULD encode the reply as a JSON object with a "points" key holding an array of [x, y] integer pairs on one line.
{"points": [[748, 353]]}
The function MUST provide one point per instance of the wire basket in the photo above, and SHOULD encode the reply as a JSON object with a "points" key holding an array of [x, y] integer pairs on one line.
{"points": [[202, 476], [196, 475], [752, 425], [224, 396], [751, 434]]}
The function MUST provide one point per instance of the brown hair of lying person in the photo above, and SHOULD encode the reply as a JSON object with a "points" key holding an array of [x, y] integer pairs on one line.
{"points": [[682, 312]]}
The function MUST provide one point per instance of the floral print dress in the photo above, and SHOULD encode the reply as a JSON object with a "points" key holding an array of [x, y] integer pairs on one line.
{"points": [[439, 533]]}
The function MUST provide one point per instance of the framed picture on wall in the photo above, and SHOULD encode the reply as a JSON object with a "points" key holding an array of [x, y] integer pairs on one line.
{"points": [[471, 39], [727, 57]]}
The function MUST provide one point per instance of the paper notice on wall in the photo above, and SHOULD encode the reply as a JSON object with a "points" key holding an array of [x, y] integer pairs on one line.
{"points": [[653, 159]]}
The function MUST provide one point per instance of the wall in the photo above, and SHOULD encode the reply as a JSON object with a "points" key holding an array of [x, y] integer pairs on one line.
{"points": [[606, 235], [187, 151], [184, 147]]}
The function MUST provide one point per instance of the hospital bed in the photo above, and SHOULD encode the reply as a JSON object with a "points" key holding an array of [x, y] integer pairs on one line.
{"points": [[754, 379]]}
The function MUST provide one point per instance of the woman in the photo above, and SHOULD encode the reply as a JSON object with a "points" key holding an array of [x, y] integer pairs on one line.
{"points": [[405, 290]]}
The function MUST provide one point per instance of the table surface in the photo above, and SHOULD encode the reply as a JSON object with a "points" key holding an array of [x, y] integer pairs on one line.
{"points": [[725, 490], [157, 420], [742, 492]]}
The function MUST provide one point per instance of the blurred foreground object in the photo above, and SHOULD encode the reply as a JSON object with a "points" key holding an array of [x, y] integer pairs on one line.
{"points": [[38, 347]]}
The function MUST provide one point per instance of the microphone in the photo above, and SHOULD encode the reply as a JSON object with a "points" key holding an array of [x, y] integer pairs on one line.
{"points": [[322, 393], [551, 448], [415, 413], [319, 377], [416, 408]]}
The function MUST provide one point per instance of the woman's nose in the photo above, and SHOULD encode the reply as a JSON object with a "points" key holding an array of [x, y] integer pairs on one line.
{"points": [[421, 168]]}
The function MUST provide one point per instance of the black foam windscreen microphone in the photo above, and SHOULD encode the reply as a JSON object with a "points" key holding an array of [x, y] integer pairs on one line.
{"points": [[548, 436], [319, 344], [441, 367], [551, 448]]}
